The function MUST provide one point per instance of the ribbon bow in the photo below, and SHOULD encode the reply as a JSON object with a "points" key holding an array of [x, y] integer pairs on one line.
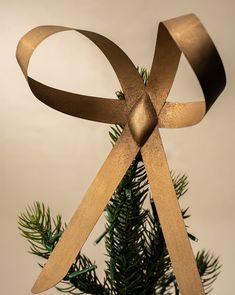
{"points": [[143, 112]]}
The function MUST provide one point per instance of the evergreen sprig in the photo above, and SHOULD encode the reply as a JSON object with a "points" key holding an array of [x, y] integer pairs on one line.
{"points": [[43, 232], [40, 229], [137, 260], [209, 268]]}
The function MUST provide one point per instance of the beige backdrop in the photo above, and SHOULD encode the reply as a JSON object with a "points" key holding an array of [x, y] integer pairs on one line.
{"points": [[51, 157]]}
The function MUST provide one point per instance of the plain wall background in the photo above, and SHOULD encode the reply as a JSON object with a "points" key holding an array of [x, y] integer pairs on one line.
{"points": [[52, 157]]}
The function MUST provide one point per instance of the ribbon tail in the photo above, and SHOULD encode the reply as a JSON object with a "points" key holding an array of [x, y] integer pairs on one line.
{"points": [[88, 212], [170, 216]]}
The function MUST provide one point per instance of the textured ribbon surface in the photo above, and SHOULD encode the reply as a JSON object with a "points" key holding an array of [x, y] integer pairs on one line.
{"points": [[143, 112]]}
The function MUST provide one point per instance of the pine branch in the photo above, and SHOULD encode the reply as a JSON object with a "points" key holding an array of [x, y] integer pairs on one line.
{"points": [[209, 268], [43, 232]]}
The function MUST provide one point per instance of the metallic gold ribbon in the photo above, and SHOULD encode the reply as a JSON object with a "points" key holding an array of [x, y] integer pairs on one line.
{"points": [[143, 112]]}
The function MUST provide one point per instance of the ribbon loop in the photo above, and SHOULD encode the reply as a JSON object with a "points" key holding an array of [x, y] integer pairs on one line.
{"points": [[184, 34], [105, 110]]}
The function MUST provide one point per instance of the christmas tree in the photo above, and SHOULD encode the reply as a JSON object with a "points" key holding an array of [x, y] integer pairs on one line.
{"points": [[137, 258]]}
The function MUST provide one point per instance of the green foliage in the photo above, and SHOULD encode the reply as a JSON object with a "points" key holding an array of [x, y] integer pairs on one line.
{"points": [[137, 260], [208, 266], [134, 242], [43, 232]]}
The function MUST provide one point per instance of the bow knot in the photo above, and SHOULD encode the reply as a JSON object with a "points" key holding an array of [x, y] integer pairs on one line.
{"points": [[142, 120], [143, 111]]}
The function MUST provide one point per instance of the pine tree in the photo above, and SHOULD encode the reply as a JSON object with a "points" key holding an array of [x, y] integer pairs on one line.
{"points": [[138, 262]]}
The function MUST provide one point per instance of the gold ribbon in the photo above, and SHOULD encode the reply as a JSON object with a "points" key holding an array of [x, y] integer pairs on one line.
{"points": [[143, 112]]}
